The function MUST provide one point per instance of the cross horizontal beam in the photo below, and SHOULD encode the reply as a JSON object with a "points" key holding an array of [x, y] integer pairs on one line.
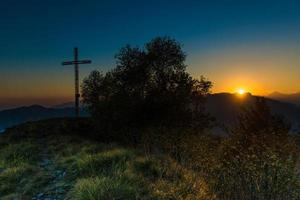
{"points": [[77, 62]]}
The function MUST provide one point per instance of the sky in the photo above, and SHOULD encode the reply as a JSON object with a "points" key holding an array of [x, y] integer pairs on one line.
{"points": [[254, 45]]}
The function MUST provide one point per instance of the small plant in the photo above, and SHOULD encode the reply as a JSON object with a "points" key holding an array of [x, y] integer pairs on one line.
{"points": [[12, 177], [99, 188], [108, 162], [17, 153]]}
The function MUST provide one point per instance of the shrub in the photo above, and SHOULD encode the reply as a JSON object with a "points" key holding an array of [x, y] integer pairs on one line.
{"points": [[256, 174], [259, 160]]}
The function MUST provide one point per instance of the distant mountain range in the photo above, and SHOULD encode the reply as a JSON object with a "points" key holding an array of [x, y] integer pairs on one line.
{"points": [[224, 107], [64, 105], [290, 98], [11, 117]]}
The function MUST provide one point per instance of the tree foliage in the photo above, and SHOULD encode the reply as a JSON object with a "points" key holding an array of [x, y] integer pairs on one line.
{"points": [[148, 87]]}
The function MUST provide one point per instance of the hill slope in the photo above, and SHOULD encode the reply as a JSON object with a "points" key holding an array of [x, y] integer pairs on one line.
{"points": [[290, 98], [41, 161], [62, 159], [226, 107], [20, 115]]}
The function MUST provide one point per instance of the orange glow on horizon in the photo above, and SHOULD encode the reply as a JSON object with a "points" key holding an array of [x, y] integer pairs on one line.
{"points": [[258, 69], [241, 91]]}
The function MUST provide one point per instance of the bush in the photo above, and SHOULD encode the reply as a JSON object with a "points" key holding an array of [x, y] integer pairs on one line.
{"points": [[259, 160], [253, 174]]}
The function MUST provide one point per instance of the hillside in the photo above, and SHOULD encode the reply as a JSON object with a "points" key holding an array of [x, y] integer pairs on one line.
{"points": [[42, 160], [226, 107], [69, 158], [11, 117], [290, 98]]}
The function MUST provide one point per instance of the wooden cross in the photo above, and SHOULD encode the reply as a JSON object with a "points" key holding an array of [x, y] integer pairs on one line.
{"points": [[76, 63]]}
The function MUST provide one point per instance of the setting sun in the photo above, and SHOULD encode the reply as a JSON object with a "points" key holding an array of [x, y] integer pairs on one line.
{"points": [[241, 91]]}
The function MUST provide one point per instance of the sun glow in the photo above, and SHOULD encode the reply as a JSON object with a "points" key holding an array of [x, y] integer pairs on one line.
{"points": [[241, 91]]}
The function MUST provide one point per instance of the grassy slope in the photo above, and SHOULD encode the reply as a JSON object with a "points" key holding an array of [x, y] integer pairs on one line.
{"points": [[36, 162]]}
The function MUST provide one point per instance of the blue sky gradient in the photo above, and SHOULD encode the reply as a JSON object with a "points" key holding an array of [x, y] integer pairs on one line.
{"points": [[228, 41]]}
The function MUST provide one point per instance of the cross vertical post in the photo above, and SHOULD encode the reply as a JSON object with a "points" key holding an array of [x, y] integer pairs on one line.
{"points": [[76, 63], [77, 95]]}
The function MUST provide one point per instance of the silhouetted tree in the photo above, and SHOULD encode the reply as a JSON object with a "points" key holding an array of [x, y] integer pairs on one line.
{"points": [[148, 87], [258, 126], [92, 90], [259, 118]]}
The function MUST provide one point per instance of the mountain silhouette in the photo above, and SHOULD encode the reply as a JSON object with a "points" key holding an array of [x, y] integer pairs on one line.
{"points": [[64, 105], [226, 107], [291, 98], [11, 117]]}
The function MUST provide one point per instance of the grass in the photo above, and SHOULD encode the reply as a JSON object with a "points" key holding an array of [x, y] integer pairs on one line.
{"points": [[19, 153], [99, 187], [96, 171], [107, 171], [19, 170], [93, 170], [110, 162]]}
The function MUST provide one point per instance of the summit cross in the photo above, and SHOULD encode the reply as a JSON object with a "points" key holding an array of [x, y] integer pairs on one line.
{"points": [[76, 64]]}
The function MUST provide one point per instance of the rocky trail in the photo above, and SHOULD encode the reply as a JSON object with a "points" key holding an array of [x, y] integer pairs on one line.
{"points": [[54, 186]]}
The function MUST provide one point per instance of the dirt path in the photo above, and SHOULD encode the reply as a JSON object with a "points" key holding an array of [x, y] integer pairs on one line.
{"points": [[55, 187]]}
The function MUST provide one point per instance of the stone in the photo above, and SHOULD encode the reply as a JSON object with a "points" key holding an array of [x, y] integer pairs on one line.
{"points": [[40, 195]]}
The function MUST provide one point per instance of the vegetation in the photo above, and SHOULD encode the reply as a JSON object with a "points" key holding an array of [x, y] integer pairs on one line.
{"points": [[17, 164], [260, 159], [148, 138], [149, 87], [91, 169], [205, 166]]}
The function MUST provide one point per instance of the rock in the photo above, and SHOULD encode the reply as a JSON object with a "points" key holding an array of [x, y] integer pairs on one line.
{"points": [[60, 190], [40, 195], [23, 181], [58, 172]]}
